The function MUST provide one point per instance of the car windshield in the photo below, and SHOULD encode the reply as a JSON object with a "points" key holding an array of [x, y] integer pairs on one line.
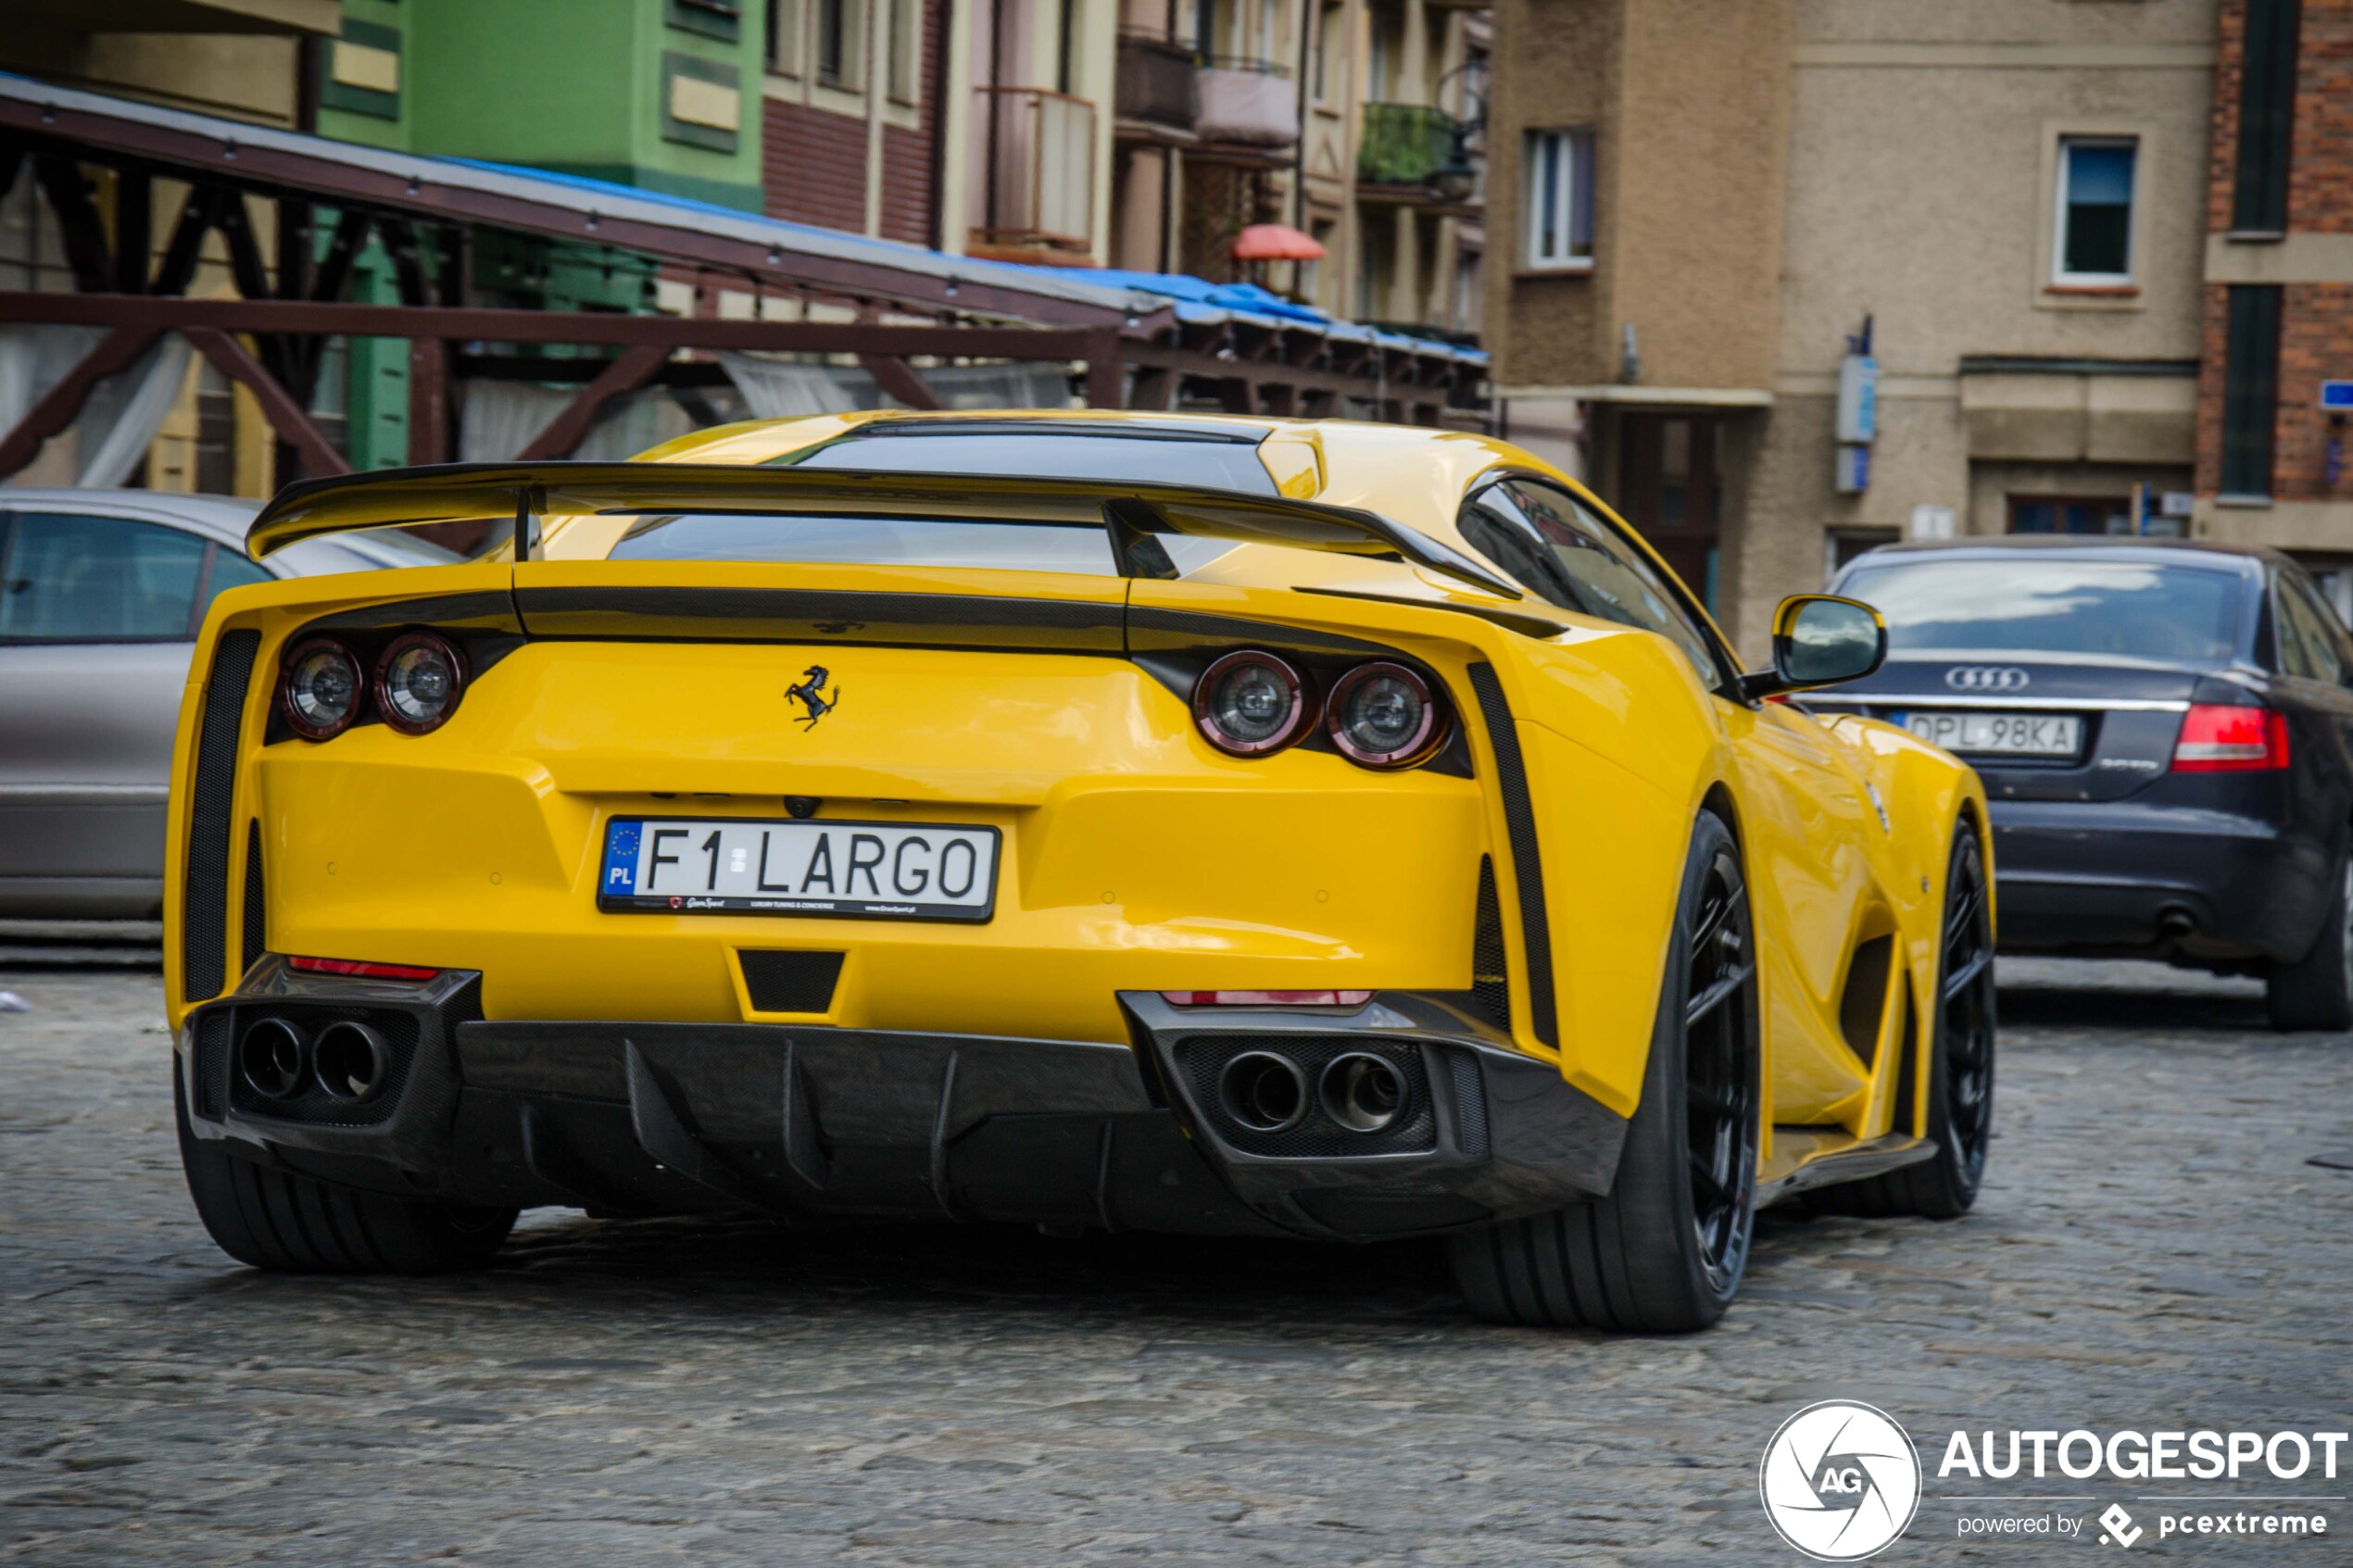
{"points": [[891, 541], [2138, 610]]}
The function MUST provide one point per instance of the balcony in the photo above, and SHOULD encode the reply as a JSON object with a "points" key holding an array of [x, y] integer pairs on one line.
{"points": [[1247, 102], [1156, 87], [1035, 176], [1405, 144]]}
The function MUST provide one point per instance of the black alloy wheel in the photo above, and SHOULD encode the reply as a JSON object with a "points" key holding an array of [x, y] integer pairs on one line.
{"points": [[1719, 1073], [1959, 1065], [1665, 1251]]}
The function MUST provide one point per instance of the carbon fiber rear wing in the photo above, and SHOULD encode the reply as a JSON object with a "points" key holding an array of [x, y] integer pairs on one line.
{"points": [[1133, 514]]}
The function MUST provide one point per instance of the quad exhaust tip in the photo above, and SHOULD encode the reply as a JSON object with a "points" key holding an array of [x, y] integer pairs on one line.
{"points": [[271, 1056], [351, 1062], [1264, 1092], [1362, 1092]]}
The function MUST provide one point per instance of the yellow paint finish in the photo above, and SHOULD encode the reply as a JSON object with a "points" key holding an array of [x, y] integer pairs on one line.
{"points": [[1135, 857]]}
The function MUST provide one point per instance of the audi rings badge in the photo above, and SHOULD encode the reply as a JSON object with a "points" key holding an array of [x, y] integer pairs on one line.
{"points": [[1987, 678]]}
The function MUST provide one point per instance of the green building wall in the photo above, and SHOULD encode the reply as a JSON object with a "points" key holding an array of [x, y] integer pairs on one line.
{"points": [[589, 87]]}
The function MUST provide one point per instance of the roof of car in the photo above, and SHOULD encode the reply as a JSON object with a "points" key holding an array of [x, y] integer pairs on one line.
{"points": [[2077, 544], [224, 517]]}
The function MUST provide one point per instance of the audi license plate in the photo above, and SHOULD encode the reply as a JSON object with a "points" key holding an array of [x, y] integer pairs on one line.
{"points": [[876, 871], [2007, 734]]}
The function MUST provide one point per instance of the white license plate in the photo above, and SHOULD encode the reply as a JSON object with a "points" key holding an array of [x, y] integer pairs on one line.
{"points": [[2010, 735], [875, 870]]}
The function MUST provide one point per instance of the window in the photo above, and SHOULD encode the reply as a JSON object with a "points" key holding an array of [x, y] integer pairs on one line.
{"points": [[2250, 388], [1162, 458], [2070, 514], [712, 18], [1556, 548], [2015, 603], [2095, 210], [228, 570], [2310, 641], [2267, 116], [838, 41], [76, 579], [1559, 209], [1331, 50], [906, 49], [783, 51]]}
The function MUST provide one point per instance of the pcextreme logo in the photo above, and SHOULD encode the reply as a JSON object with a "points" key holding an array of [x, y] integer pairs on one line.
{"points": [[1840, 1481]]}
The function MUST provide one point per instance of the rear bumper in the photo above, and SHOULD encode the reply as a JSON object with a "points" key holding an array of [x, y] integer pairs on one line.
{"points": [[812, 1123], [2125, 877]]}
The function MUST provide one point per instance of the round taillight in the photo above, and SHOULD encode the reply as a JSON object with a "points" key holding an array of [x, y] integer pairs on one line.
{"points": [[418, 680], [320, 688], [1249, 704], [1385, 716]]}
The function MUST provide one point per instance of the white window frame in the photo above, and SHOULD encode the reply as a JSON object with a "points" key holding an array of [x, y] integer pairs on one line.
{"points": [[1533, 235], [2063, 177]]}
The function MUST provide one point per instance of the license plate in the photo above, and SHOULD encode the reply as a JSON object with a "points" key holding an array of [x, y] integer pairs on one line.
{"points": [[2008, 735], [871, 870]]}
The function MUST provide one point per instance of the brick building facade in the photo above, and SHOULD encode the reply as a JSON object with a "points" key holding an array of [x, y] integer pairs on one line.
{"points": [[2278, 312]]}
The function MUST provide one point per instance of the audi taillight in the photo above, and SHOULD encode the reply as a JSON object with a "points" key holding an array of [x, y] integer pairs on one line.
{"points": [[2225, 738], [320, 688], [1249, 703]]}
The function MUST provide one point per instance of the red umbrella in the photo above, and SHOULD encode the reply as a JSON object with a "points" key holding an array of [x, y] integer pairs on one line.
{"points": [[1276, 242]]}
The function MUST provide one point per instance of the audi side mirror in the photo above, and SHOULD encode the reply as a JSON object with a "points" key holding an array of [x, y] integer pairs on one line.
{"points": [[1820, 640]]}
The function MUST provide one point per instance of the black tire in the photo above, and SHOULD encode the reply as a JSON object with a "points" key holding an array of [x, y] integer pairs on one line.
{"points": [[1961, 1066], [297, 1225], [1664, 1253], [2316, 991]]}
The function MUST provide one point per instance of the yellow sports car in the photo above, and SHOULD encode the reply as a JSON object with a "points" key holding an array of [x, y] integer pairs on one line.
{"points": [[1090, 821]]}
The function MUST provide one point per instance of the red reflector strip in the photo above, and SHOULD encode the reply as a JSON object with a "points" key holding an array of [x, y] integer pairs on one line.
{"points": [[1267, 998], [2223, 738], [361, 969]]}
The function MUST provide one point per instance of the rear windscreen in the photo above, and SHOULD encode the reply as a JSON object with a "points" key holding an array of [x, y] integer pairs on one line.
{"points": [[2103, 610], [1210, 462], [890, 541]]}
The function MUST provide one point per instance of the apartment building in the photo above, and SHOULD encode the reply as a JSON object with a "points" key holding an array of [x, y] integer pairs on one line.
{"points": [[1986, 222], [2275, 395], [1355, 122]]}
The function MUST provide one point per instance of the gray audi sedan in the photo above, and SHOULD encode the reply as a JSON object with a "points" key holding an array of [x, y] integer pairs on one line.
{"points": [[101, 593]]}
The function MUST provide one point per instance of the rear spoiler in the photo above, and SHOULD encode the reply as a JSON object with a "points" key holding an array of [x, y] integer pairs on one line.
{"points": [[1132, 513]]}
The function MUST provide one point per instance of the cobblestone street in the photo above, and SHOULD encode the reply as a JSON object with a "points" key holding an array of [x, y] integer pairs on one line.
{"points": [[2152, 1251]]}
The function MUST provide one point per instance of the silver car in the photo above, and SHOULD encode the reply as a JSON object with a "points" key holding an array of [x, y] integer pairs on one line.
{"points": [[101, 594]]}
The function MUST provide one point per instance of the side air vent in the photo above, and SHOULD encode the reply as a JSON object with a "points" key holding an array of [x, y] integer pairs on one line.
{"points": [[204, 923], [1490, 971], [782, 982], [1861, 1003], [1527, 870], [254, 905]]}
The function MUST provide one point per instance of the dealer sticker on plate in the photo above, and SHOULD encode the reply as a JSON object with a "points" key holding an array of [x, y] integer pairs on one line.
{"points": [[875, 870]]}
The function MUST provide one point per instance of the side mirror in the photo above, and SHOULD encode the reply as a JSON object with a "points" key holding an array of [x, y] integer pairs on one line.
{"points": [[1820, 640]]}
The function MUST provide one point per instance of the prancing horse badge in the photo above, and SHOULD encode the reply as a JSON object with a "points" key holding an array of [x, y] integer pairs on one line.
{"points": [[810, 691]]}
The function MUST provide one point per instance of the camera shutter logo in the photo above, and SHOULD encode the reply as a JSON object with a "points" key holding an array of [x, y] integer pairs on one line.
{"points": [[1987, 678], [1840, 1481]]}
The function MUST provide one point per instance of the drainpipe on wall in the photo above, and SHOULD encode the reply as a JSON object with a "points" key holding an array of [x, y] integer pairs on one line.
{"points": [[879, 21]]}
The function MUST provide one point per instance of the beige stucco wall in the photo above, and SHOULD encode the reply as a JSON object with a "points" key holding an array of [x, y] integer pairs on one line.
{"points": [[1920, 191]]}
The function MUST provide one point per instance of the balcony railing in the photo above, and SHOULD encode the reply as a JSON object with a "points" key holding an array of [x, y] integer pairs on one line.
{"points": [[1248, 100], [1037, 170], [1404, 144], [1156, 81]]}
